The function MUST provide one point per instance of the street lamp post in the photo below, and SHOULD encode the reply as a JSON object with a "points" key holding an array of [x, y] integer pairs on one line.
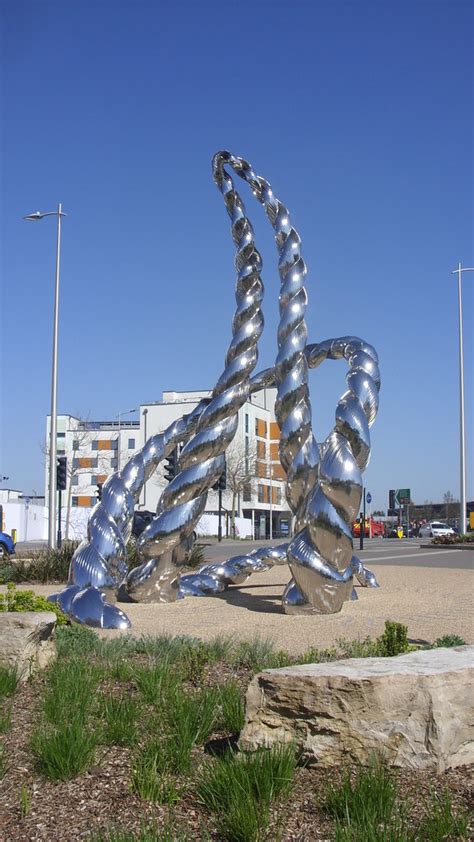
{"points": [[144, 413], [33, 217], [119, 416], [462, 520]]}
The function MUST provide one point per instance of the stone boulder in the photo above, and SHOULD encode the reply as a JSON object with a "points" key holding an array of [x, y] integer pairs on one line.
{"points": [[27, 640], [416, 709]]}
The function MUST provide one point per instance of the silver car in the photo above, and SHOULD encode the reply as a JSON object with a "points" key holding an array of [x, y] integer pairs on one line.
{"points": [[431, 530]]}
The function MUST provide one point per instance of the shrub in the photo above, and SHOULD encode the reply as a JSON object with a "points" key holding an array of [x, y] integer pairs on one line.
{"points": [[448, 640], [46, 566], [15, 600], [394, 640]]}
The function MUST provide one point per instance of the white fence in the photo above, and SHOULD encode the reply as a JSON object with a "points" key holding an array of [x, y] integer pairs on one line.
{"points": [[31, 523]]}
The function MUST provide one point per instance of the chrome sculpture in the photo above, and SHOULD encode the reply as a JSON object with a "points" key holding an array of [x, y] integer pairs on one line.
{"points": [[323, 488]]}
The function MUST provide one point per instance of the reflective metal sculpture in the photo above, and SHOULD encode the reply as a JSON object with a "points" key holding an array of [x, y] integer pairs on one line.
{"points": [[323, 489]]}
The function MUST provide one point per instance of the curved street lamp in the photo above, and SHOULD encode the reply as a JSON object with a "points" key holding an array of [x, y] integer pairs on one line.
{"points": [[34, 217]]}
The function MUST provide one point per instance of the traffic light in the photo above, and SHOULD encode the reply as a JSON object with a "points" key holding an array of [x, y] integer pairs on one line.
{"points": [[391, 499], [61, 473], [171, 465], [99, 491]]}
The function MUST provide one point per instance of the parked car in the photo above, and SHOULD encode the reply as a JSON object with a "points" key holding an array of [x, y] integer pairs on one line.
{"points": [[7, 547], [431, 530]]}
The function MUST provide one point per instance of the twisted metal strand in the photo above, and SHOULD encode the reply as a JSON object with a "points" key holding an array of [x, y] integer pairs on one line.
{"points": [[321, 556], [164, 543], [99, 564], [355, 413]]}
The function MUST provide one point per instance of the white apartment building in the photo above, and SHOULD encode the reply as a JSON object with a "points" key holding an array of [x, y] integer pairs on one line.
{"points": [[255, 479]]}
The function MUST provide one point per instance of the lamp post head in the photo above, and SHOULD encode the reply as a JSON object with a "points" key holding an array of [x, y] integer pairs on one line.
{"points": [[33, 217]]}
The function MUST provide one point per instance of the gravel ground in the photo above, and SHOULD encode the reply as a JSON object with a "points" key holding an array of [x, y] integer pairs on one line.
{"points": [[430, 601]]}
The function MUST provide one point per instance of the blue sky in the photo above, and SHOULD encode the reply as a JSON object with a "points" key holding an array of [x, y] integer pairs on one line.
{"points": [[358, 113]]}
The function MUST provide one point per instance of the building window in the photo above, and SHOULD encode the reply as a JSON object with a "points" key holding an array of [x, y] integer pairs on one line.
{"points": [[261, 492], [95, 445], [114, 463], [247, 493], [114, 444], [246, 422], [94, 479], [261, 428], [61, 435], [75, 444], [131, 444], [75, 480], [277, 495]]}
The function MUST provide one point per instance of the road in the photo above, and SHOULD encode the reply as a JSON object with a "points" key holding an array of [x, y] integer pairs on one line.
{"points": [[404, 552], [377, 551]]}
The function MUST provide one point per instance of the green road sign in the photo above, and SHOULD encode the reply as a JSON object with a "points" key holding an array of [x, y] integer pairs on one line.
{"points": [[402, 496]]}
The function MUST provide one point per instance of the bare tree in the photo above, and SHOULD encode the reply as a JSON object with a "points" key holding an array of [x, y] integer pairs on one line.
{"points": [[241, 473], [82, 439], [448, 498]]}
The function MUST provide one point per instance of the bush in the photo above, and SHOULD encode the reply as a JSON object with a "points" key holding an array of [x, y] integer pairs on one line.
{"points": [[15, 600], [47, 566], [448, 640], [394, 640]]}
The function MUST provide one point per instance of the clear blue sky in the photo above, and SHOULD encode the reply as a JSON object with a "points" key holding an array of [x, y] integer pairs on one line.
{"points": [[359, 114]]}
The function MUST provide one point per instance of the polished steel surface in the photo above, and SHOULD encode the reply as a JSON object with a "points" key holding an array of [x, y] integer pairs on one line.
{"points": [[323, 489]]}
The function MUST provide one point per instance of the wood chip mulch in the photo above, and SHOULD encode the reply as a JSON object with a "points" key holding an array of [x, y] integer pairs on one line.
{"points": [[101, 798]]}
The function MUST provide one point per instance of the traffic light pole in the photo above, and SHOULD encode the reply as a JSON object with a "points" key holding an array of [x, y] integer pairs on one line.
{"points": [[219, 528], [59, 518]]}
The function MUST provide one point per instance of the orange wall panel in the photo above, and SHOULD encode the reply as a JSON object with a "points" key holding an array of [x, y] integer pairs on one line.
{"points": [[274, 430]]}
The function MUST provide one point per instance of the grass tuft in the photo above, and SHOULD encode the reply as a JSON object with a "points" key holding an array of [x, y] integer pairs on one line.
{"points": [[8, 681], [150, 775], [120, 714], [65, 751], [442, 822], [240, 789]]}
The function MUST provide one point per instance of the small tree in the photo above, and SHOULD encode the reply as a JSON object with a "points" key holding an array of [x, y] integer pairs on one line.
{"points": [[448, 498], [241, 474]]}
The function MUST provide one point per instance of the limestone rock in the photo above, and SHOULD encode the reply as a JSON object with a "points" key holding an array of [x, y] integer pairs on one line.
{"points": [[416, 709], [27, 640]]}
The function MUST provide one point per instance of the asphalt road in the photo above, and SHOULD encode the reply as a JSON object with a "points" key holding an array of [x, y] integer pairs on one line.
{"points": [[391, 551], [378, 551]]}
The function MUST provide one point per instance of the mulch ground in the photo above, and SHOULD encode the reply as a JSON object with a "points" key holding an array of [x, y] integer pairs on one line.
{"points": [[102, 798]]}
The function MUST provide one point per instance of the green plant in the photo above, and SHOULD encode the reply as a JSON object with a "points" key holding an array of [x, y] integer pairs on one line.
{"points": [[240, 789], [75, 640], [156, 682], [8, 681], [63, 752], [231, 710], [25, 801], [196, 557], [45, 566], [448, 640], [120, 716], [441, 822], [15, 600], [147, 833], [364, 805], [254, 654], [69, 693], [190, 718], [394, 640], [150, 775]]}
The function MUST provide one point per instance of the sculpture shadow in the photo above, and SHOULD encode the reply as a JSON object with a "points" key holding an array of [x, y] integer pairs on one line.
{"points": [[245, 597]]}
